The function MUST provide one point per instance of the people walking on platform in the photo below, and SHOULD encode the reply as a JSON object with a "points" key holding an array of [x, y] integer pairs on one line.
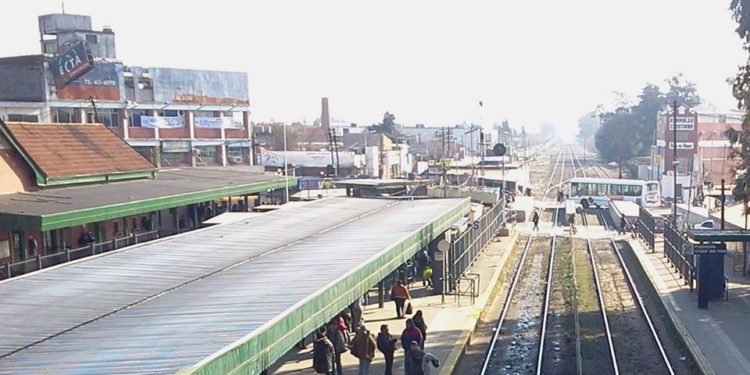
{"points": [[387, 345], [324, 354], [400, 294], [623, 225], [363, 347], [337, 334], [427, 275], [572, 223], [418, 320], [417, 362], [535, 219], [411, 333], [356, 311]]}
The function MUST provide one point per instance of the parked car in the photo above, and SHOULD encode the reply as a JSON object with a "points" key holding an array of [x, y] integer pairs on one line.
{"points": [[706, 224]]}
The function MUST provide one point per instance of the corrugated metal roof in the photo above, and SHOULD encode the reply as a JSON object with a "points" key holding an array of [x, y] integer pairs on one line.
{"points": [[235, 278], [66, 150]]}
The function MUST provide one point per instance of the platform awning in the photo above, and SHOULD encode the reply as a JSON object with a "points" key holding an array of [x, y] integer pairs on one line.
{"points": [[224, 299]]}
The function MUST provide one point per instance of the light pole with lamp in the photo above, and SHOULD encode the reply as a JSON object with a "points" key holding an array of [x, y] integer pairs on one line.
{"points": [[286, 170]]}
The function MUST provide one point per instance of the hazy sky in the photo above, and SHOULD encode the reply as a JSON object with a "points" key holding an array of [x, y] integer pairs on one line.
{"points": [[426, 61]]}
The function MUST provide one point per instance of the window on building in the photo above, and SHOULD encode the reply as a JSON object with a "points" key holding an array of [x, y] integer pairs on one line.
{"points": [[171, 113], [135, 117], [207, 154], [129, 81], [22, 118], [63, 115], [91, 38], [145, 83], [108, 117]]}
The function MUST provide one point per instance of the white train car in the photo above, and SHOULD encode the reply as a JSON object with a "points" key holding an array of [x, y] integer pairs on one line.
{"points": [[590, 191]]}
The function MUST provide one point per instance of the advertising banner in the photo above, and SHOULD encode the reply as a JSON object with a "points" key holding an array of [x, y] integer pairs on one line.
{"points": [[101, 82], [162, 122], [215, 122], [71, 64]]}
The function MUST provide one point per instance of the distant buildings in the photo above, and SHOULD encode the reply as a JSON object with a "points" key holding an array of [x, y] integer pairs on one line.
{"points": [[702, 148], [173, 117]]}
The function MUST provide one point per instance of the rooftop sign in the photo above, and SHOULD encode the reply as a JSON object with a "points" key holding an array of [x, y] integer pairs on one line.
{"points": [[71, 64]]}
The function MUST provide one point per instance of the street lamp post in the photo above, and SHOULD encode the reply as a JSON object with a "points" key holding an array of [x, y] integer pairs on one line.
{"points": [[286, 170], [674, 163]]}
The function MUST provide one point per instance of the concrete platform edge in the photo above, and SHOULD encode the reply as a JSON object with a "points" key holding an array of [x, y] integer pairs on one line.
{"points": [[459, 348], [692, 345]]}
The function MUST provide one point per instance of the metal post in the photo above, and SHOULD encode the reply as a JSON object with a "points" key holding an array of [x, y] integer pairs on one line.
{"points": [[67, 254], [286, 170], [7, 270], [723, 199], [674, 163], [504, 187], [381, 294]]}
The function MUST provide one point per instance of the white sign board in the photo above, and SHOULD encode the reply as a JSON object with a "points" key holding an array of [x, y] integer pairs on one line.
{"points": [[162, 122], [215, 122], [683, 123]]}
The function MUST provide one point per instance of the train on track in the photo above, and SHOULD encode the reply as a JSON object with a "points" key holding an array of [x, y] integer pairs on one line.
{"points": [[592, 191]]}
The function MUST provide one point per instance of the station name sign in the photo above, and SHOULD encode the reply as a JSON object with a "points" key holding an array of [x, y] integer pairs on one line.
{"points": [[683, 123], [709, 248], [71, 64]]}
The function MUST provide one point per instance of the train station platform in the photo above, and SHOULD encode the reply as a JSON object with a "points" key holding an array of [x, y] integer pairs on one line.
{"points": [[718, 336], [450, 320], [230, 298]]}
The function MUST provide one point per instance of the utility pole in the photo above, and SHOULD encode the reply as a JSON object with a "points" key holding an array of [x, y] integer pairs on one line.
{"points": [[286, 170], [674, 163], [523, 132]]}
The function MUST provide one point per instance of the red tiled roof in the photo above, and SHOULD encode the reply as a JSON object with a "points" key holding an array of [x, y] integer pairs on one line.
{"points": [[68, 150]]}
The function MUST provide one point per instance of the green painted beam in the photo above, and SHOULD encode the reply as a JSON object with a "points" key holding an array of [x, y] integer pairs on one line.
{"points": [[115, 211], [98, 178], [261, 349]]}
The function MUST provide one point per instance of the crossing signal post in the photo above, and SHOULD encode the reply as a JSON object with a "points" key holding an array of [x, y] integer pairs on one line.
{"points": [[500, 150]]}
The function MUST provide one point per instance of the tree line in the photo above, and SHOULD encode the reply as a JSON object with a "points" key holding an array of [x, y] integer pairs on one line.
{"points": [[630, 130]]}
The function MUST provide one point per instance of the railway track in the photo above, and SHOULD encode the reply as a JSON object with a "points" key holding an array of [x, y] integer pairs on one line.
{"points": [[516, 345], [634, 344]]}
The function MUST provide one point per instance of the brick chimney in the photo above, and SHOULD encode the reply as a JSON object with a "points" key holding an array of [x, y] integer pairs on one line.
{"points": [[325, 118]]}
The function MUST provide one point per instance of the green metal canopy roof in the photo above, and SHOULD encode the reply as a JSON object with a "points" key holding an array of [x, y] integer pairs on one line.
{"points": [[229, 299], [65, 207]]}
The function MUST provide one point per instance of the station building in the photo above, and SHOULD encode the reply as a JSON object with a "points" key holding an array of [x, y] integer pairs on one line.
{"points": [[703, 151], [173, 117], [73, 190]]}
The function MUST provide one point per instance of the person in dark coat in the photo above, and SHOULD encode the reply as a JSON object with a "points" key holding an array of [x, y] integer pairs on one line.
{"points": [[411, 333], [337, 332], [324, 354], [535, 219], [418, 320], [413, 359], [623, 224], [387, 345]]}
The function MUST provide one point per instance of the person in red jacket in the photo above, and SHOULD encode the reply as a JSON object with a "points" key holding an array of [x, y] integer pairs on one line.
{"points": [[400, 294], [411, 333]]}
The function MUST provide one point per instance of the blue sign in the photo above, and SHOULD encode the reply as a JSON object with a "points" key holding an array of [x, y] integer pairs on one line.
{"points": [[70, 64], [710, 248]]}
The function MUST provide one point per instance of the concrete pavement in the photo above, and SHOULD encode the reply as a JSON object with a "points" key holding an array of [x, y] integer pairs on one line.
{"points": [[718, 336]]}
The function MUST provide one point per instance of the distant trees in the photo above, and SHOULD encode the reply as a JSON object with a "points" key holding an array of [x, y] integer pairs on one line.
{"points": [[388, 126], [630, 130], [741, 91]]}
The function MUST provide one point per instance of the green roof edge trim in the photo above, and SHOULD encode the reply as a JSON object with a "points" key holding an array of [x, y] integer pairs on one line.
{"points": [[115, 211], [262, 350]]}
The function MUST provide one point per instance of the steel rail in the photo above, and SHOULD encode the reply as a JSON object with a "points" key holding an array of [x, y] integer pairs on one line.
{"points": [[598, 285], [642, 307], [545, 310], [506, 306]]}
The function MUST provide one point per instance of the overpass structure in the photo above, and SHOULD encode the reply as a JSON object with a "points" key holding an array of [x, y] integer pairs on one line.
{"points": [[229, 299]]}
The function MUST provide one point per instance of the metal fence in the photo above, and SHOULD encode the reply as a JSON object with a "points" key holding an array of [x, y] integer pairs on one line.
{"points": [[39, 262], [466, 247], [646, 227], [674, 250]]}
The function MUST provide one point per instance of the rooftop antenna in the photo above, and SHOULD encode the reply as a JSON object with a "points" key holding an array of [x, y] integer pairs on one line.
{"points": [[63, 7]]}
